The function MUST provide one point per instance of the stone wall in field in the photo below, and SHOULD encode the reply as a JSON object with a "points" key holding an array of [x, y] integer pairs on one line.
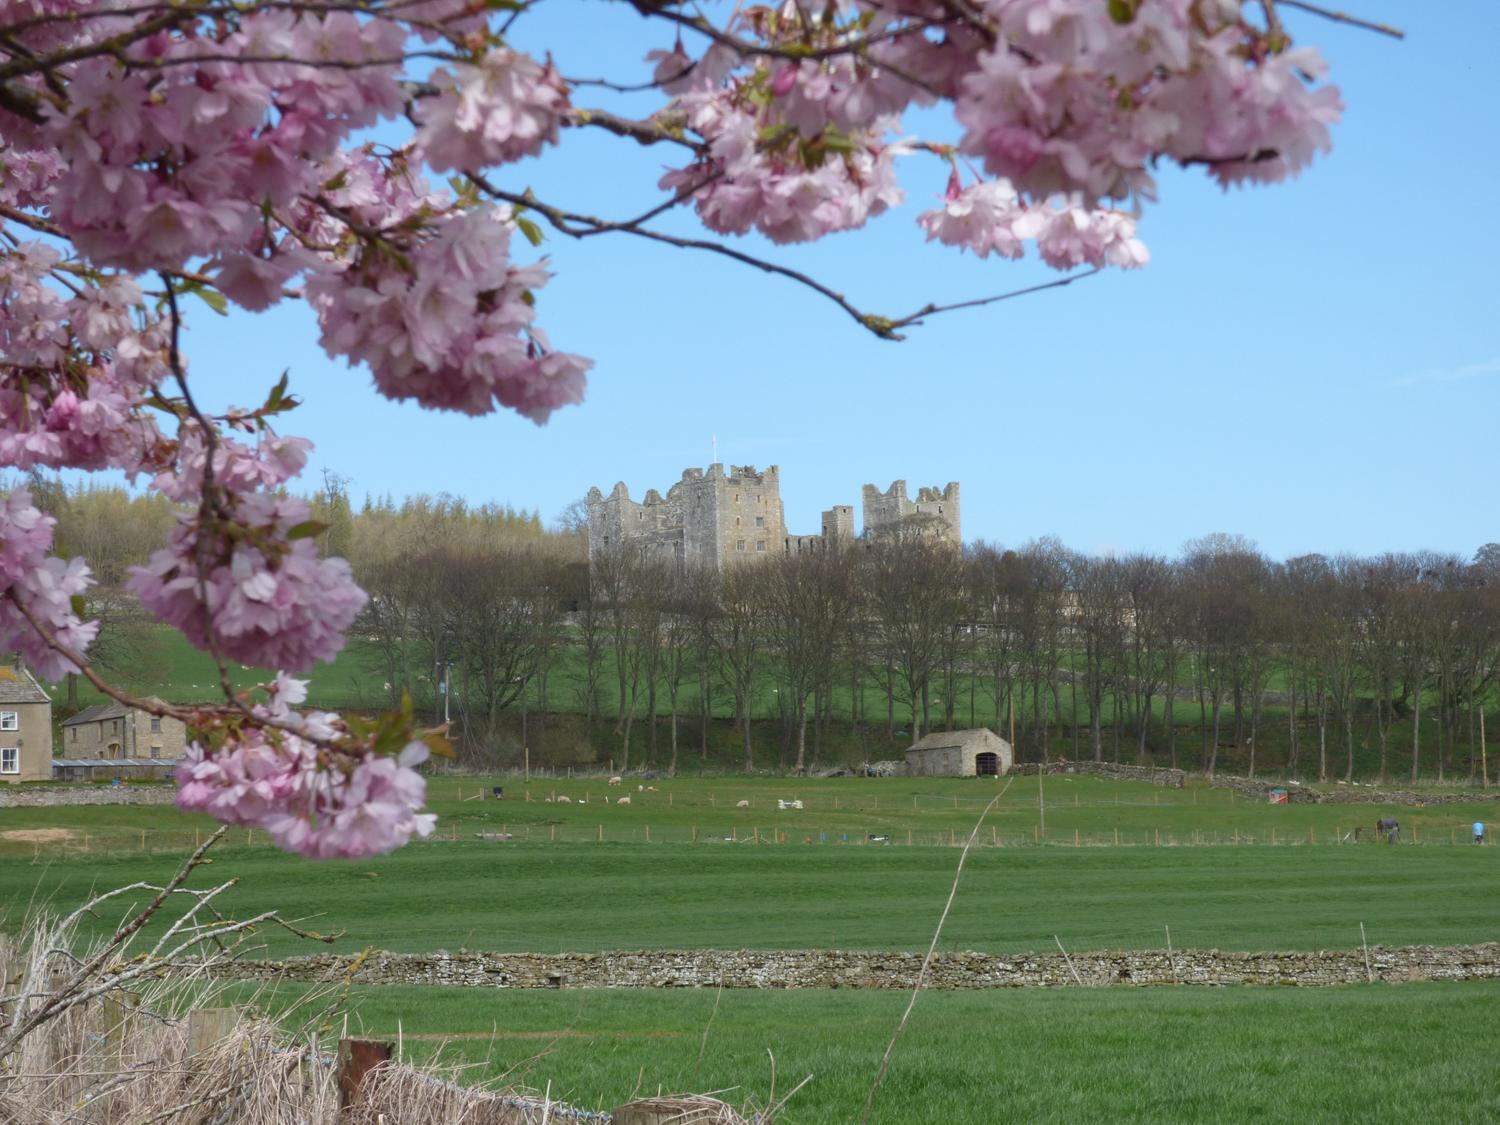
{"points": [[1349, 794], [42, 795], [1113, 771], [839, 969]]}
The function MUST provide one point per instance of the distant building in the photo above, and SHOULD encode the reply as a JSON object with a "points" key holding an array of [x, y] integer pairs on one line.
{"points": [[960, 753], [713, 519], [116, 732], [25, 727]]}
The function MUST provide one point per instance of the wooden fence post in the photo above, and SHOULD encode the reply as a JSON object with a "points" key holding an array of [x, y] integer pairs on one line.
{"points": [[207, 1026], [357, 1057]]}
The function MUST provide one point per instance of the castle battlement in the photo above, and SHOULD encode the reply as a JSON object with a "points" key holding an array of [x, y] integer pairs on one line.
{"points": [[710, 518]]}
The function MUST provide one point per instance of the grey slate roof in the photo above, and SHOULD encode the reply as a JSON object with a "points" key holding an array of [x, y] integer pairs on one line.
{"points": [[110, 710], [115, 763], [977, 738], [17, 686]]}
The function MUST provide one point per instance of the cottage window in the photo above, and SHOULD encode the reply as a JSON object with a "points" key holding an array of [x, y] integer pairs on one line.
{"points": [[74, 732], [10, 759], [10, 720], [155, 724], [155, 750]]}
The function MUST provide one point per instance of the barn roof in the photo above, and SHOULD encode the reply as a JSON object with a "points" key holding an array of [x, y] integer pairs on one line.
{"points": [[110, 710], [979, 739]]}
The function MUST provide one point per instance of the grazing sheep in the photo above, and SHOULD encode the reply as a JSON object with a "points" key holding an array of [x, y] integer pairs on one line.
{"points": [[623, 801], [565, 800], [616, 780], [583, 800], [742, 804], [650, 789], [640, 788]]}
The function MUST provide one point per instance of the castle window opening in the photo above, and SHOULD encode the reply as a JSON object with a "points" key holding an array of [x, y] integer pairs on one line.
{"points": [[760, 544], [736, 521], [760, 521], [736, 497], [739, 545]]}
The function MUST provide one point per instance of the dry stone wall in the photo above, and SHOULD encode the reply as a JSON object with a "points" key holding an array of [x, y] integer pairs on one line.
{"points": [[19, 797], [845, 969], [1115, 771], [1348, 794]]}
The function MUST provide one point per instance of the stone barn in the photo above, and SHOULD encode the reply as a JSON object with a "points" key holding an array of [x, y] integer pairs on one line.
{"points": [[960, 753]]}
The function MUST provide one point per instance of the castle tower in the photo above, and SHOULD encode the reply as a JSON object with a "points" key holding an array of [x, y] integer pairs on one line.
{"points": [[891, 513]]}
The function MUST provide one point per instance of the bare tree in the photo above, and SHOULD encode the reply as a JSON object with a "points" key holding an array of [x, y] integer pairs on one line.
{"points": [[808, 599], [914, 588], [739, 636]]}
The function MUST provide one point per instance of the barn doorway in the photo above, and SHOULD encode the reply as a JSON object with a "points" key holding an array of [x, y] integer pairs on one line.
{"points": [[987, 764]]}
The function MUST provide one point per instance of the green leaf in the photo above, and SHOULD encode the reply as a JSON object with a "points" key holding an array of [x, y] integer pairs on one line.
{"points": [[529, 228], [337, 182], [78, 605], [212, 298], [307, 529], [1123, 11]]}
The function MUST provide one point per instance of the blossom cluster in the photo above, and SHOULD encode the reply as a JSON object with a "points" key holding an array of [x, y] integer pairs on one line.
{"points": [[281, 776], [250, 586], [44, 584], [990, 217], [1067, 104]]}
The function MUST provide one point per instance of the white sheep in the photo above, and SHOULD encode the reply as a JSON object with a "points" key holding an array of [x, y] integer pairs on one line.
{"points": [[623, 801], [565, 800], [640, 788], [616, 780], [650, 789], [742, 804]]}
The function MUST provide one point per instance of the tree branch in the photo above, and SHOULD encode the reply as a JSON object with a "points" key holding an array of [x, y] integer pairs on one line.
{"points": [[1344, 17]]}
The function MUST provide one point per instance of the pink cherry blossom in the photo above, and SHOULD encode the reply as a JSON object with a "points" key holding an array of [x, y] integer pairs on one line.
{"points": [[259, 596], [507, 107]]}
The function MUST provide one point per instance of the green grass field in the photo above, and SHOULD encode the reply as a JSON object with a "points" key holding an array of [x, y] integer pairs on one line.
{"points": [[920, 811], [1342, 1054], [556, 897], [1418, 1052]]}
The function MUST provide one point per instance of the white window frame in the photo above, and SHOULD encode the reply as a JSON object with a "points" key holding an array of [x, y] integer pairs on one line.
{"points": [[10, 720], [10, 759]]}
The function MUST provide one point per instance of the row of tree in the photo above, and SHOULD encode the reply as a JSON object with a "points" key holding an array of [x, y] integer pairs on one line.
{"points": [[1120, 655]]}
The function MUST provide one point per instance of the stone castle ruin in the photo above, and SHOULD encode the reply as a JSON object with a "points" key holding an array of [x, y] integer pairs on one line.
{"points": [[710, 518]]}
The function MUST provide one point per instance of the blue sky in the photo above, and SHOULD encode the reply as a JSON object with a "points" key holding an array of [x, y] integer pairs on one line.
{"points": [[1314, 365]]}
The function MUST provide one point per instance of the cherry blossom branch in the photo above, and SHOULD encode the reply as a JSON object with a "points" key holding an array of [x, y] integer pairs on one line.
{"points": [[647, 132], [932, 310], [1343, 17], [881, 326], [192, 717], [563, 222]]}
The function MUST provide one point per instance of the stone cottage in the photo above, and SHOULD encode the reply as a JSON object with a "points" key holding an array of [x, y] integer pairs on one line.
{"points": [[960, 753], [25, 727], [112, 730]]}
